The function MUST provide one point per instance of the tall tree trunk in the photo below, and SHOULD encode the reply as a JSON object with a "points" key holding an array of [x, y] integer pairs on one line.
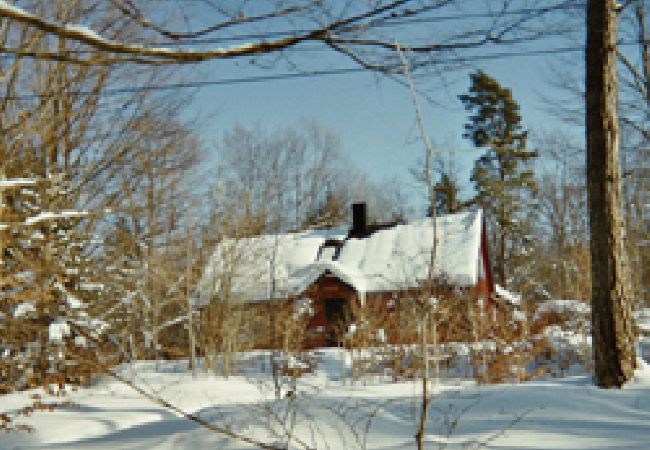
{"points": [[613, 339], [501, 269], [152, 235], [3, 175], [190, 306], [424, 408], [645, 52]]}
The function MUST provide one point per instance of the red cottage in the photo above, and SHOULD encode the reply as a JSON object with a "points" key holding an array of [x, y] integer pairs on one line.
{"points": [[339, 281]]}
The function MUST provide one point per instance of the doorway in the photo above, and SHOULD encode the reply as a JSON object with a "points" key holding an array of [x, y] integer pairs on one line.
{"points": [[337, 316]]}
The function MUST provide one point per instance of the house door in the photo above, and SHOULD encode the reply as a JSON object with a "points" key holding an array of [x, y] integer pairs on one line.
{"points": [[337, 316]]}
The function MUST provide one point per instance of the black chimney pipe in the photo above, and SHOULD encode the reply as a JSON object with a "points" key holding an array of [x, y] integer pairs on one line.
{"points": [[359, 219]]}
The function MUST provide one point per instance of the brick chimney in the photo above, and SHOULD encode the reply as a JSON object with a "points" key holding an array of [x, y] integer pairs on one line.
{"points": [[359, 219]]}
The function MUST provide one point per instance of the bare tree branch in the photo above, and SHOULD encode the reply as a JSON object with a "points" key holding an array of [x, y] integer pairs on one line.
{"points": [[343, 34], [135, 14], [89, 37]]}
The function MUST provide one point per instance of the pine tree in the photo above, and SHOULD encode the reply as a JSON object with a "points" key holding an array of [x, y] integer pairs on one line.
{"points": [[45, 276], [501, 175]]}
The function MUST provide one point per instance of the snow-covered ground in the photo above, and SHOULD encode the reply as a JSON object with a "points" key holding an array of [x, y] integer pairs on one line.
{"points": [[567, 413]]}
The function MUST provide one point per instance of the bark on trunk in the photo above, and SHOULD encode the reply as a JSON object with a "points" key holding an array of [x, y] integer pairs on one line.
{"points": [[502, 257], [645, 52], [424, 407], [613, 340]]}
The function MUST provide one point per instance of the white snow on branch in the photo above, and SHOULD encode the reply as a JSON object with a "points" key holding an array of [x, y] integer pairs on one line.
{"points": [[518, 316], [562, 306], [87, 36], [85, 31], [510, 297], [17, 182], [171, 322], [562, 338], [58, 330], [24, 308], [72, 300], [95, 326], [45, 216], [88, 286]]}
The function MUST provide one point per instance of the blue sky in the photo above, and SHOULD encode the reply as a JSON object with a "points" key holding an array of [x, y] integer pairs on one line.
{"points": [[373, 116]]}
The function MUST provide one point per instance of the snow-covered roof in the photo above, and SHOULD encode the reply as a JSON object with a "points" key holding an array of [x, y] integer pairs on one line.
{"points": [[261, 267], [278, 266]]}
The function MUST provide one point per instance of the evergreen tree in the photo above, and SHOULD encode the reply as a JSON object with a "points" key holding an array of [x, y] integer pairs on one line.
{"points": [[40, 275], [501, 175]]}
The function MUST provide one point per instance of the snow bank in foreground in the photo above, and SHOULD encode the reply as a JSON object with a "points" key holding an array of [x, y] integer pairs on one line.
{"points": [[568, 413]]}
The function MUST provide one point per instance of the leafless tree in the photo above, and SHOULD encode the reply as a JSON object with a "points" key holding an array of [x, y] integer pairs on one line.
{"points": [[557, 258]]}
